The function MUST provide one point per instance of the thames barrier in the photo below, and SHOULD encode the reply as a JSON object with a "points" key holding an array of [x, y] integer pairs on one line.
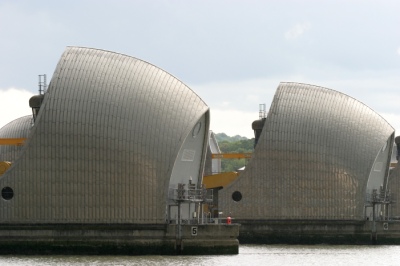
{"points": [[116, 159]]}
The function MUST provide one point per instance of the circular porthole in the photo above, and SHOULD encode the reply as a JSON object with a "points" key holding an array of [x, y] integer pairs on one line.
{"points": [[7, 193], [196, 129], [237, 196]]}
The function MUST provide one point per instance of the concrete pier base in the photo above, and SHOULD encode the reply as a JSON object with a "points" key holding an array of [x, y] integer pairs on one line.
{"points": [[210, 239], [319, 232], [121, 239]]}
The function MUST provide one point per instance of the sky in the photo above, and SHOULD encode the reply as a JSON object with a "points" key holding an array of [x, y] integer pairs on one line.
{"points": [[233, 54]]}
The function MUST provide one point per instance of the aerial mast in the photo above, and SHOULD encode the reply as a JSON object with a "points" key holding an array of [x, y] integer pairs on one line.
{"points": [[42, 84]]}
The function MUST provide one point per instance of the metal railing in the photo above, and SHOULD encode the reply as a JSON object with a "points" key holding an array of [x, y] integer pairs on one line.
{"points": [[191, 194]]}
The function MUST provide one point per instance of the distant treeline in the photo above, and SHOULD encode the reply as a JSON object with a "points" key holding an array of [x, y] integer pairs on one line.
{"points": [[235, 144]]}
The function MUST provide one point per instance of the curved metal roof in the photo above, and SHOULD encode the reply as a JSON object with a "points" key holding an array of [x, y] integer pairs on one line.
{"points": [[105, 143], [18, 128], [313, 159]]}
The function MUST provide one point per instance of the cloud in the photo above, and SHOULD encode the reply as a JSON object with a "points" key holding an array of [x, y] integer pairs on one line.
{"points": [[393, 120], [234, 105], [225, 104], [233, 122], [398, 51], [297, 30], [243, 95], [14, 104]]}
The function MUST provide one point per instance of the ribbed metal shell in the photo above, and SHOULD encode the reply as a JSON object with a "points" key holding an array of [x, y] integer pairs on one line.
{"points": [[18, 128], [394, 187], [313, 159], [104, 143], [212, 166]]}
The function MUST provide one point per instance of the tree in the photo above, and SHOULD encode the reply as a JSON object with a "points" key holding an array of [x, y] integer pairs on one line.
{"points": [[236, 144]]}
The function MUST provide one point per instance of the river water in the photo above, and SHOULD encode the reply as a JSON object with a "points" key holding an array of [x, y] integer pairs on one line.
{"points": [[254, 255]]}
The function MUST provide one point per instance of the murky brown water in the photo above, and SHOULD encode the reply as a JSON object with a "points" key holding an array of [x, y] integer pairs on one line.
{"points": [[249, 255]]}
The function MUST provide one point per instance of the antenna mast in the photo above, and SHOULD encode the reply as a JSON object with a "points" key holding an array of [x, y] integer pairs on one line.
{"points": [[262, 112], [42, 84]]}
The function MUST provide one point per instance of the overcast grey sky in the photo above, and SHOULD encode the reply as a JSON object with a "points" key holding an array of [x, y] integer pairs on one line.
{"points": [[233, 54]]}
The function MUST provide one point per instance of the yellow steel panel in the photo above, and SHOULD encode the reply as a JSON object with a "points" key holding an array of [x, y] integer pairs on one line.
{"points": [[4, 167], [230, 155], [219, 180], [12, 141]]}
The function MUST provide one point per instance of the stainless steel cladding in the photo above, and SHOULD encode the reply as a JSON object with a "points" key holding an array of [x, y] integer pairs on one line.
{"points": [[397, 141], [18, 128], [105, 144], [394, 194], [315, 156]]}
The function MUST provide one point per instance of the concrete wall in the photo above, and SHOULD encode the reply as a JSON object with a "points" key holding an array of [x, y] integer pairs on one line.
{"points": [[124, 239], [319, 232]]}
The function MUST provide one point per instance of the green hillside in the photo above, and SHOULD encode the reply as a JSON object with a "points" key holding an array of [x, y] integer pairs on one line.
{"points": [[235, 144], [223, 137]]}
